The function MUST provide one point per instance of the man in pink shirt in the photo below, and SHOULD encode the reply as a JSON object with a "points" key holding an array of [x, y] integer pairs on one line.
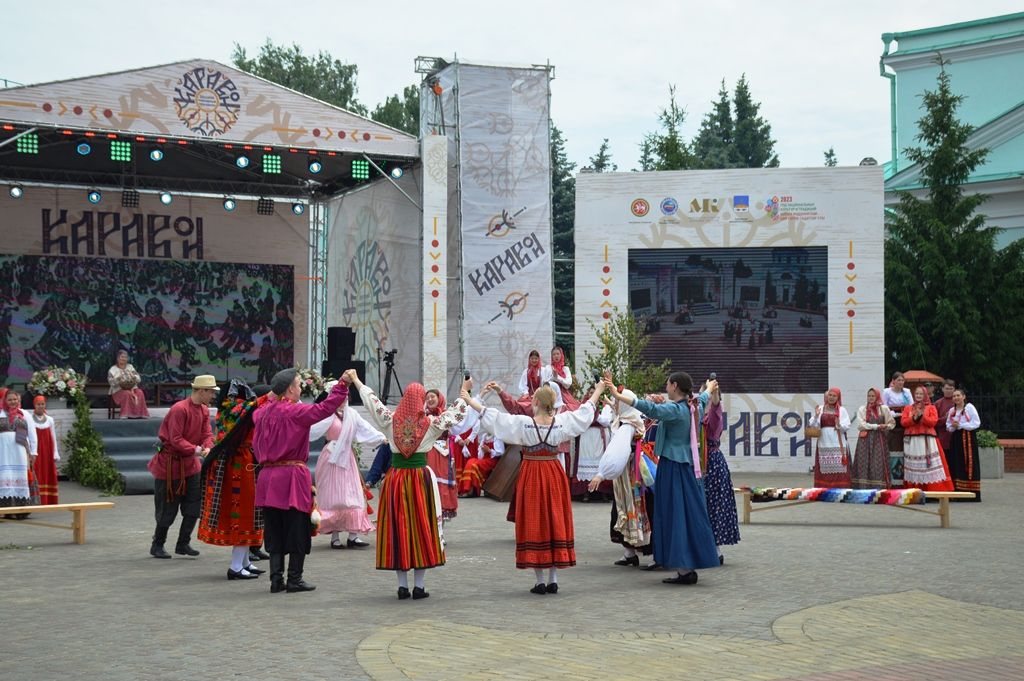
{"points": [[284, 487], [185, 438]]}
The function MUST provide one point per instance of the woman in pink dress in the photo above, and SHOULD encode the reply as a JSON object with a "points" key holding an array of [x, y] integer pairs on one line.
{"points": [[124, 389], [341, 496]]}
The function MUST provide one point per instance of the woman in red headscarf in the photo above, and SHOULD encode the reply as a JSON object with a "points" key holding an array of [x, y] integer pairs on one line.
{"points": [[832, 455], [48, 456], [870, 468], [530, 379], [440, 460], [409, 513], [18, 445], [924, 465], [558, 376]]}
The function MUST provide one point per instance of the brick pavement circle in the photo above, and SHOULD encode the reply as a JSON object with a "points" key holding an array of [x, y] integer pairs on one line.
{"points": [[107, 611]]}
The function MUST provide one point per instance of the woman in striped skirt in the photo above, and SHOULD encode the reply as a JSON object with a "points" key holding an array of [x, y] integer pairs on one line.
{"points": [[409, 513]]}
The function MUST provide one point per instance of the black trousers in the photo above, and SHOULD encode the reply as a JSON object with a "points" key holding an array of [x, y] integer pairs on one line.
{"points": [[190, 504], [286, 531]]}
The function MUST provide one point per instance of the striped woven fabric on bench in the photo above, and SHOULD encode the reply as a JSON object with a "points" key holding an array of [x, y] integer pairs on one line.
{"points": [[840, 495]]}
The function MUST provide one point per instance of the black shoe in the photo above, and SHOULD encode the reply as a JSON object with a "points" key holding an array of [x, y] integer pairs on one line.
{"points": [[258, 554], [403, 593], [157, 551], [689, 578], [241, 575], [651, 568], [253, 569], [418, 593], [539, 589], [277, 573], [721, 560], [552, 588], [301, 585], [356, 543], [185, 550], [632, 561], [277, 586]]}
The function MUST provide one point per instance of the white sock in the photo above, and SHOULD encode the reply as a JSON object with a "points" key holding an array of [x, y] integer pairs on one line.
{"points": [[239, 554], [628, 552], [417, 576], [403, 578], [538, 574], [352, 536], [553, 576], [335, 537]]}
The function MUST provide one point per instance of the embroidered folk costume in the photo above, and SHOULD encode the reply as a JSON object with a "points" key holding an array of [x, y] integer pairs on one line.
{"points": [[718, 489], [962, 424], [832, 452], [870, 468], [924, 464], [18, 486], [47, 455]]}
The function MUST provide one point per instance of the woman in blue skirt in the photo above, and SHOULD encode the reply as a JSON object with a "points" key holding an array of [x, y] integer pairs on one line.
{"points": [[683, 538]]}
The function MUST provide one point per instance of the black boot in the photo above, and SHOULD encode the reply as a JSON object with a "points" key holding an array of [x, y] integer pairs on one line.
{"points": [[182, 548], [295, 581], [156, 549], [276, 573]]}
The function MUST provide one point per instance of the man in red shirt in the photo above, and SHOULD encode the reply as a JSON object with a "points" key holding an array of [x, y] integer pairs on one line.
{"points": [[185, 438]]}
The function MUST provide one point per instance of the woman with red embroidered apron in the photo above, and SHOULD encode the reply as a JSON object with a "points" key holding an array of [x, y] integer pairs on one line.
{"points": [[832, 454], [924, 465]]}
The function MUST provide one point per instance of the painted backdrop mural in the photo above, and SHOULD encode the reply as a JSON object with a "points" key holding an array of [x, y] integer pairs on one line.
{"points": [[175, 318]]}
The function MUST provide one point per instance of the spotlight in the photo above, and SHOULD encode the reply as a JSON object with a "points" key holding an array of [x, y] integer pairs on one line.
{"points": [[272, 164], [129, 198], [229, 204], [265, 206], [94, 196], [166, 198], [315, 166], [156, 154], [360, 169], [84, 148], [17, 192], [298, 208], [242, 161], [120, 151], [397, 172]]}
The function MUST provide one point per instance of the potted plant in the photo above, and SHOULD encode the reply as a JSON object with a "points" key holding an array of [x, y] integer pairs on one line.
{"points": [[990, 454]]}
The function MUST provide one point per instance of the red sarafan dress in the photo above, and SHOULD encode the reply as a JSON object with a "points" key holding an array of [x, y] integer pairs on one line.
{"points": [[924, 464], [46, 461], [543, 507]]}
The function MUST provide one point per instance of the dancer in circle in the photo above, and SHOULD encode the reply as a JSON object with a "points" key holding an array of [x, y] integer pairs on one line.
{"points": [[718, 488], [409, 512], [545, 538]]}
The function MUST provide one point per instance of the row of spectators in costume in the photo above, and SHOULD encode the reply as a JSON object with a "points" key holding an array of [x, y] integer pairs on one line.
{"points": [[936, 443], [28, 453], [667, 514]]}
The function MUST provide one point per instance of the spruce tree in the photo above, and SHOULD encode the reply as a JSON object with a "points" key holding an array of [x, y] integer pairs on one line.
{"points": [[714, 142], [953, 301], [830, 158], [754, 146], [601, 162], [563, 216]]}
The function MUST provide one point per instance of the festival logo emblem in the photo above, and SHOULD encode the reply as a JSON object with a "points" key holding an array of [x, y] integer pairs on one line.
{"points": [[501, 225], [514, 303], [669, 206], [207, 101], [366, 306], [640, 207], [705, 206], [771, 206], [741, 203]]}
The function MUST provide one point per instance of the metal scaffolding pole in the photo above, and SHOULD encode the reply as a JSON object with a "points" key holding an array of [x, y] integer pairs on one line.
{"points": [[317, 284]]}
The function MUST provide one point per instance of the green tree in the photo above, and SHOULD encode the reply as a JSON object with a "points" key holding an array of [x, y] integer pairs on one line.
{"points": [[563, 216], [622, 341], [953, 300], [714, 143], [830, 158], [88, 463], [602, 161], [401, 111], [666, 149], [753, 146], [320, 75]]}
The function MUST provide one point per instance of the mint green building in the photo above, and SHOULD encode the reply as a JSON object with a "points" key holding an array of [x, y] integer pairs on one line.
{"points": [[986, 66]]}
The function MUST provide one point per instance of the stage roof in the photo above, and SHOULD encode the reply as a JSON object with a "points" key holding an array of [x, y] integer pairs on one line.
{"points": [[203, 115]]}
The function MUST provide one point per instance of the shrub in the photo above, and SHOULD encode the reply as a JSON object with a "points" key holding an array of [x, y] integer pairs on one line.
{"points": [[88, 463]]}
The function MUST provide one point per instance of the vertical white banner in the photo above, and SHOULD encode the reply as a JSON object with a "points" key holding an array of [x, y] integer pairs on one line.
{"points": [[503, 124], [434, 251]]}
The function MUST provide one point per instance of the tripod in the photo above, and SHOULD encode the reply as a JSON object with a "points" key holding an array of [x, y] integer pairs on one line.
{"points": [[389, 375]]}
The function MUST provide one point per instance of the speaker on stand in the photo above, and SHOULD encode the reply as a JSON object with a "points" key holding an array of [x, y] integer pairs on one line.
{"points": [[341, 345]]}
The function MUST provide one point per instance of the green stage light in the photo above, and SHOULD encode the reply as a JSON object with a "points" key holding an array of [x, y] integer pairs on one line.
{"points": [[272, 164], [360, 169], [120, 151], [28, 144]]}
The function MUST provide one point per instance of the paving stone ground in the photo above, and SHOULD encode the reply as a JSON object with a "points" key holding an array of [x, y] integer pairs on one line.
{"points": [[820, 592]]}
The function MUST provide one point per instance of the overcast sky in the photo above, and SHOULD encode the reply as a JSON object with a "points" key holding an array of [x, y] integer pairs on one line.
{"points": [[813, 64]]}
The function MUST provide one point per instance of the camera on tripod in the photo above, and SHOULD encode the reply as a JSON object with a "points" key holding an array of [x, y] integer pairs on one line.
{"points": [[389, 356]]}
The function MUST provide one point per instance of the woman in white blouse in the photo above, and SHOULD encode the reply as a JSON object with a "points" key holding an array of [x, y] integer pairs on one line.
{"points": [[124, 389], [963, 422]]}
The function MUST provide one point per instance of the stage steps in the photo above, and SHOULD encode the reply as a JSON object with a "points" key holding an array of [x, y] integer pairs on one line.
{"points": [[703, 308], [131, 443]]}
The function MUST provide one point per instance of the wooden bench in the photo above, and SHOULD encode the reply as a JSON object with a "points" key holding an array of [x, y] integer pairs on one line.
{"points": [[78, 512], [943, 497]]}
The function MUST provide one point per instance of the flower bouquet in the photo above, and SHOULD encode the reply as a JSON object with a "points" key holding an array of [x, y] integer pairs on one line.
{"points": [[311, 381], [57, 382]]}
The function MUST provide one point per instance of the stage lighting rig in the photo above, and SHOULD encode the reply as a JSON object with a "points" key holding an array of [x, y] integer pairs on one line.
{"points": [[242, 161], [94, 196], [156, 154], [264, 206], [166, 198], [84, 148], [16, 191], [315, 166], [129, 198], [229, 204], [298, 208]]}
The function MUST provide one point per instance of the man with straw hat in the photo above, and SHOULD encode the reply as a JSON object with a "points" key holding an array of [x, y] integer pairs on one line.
{"points": [[185, 438]]}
